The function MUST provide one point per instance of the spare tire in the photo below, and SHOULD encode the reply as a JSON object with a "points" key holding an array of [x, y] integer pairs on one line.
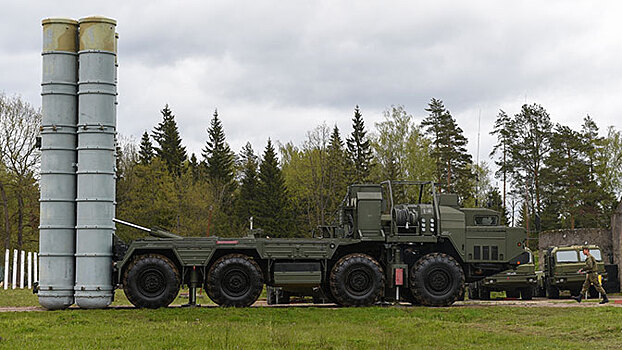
{"points": [[437, 280]]}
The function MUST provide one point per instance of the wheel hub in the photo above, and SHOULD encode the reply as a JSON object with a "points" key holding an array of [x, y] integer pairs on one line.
{"points": [[152, 282], [359, 282], [439, 281], [236, 282]]}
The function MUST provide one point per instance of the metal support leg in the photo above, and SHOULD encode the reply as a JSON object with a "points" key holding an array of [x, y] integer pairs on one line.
{"points": [[192, 288]]}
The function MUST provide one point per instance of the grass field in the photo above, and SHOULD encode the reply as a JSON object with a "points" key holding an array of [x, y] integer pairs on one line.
{"points": [[490, 327]]}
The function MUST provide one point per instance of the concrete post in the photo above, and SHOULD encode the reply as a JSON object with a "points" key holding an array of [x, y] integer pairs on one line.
{"points": [[59, 104], [6, 270], [29, 270], [14, 284], [22, 262], [96, 162], [35, 277]]}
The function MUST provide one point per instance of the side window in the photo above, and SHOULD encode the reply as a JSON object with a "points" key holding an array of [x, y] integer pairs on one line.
{"points": [[488, 220]]}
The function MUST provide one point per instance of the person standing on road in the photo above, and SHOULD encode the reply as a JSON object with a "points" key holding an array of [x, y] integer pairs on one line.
{"points": [[591, 276]]}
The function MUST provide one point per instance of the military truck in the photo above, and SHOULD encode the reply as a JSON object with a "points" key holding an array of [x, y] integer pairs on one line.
{"points": [[519, 282], [559, 270], [397, 240]]}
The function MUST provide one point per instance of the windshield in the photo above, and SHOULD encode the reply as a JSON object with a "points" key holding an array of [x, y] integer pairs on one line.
{"points": [[566, 256], [594, 252]]}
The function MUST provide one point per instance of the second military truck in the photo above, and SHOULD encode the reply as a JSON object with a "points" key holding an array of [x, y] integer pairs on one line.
{"points": [[393, 241], [559, 270], [518, 282]]}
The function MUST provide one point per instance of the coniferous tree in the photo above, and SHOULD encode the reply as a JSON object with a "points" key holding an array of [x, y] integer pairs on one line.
{"points": [[572, 196], [273, 214], [359, 150], [449, 149], [194, 167], [145, 154], [336, 173], [505, 134], [246, 203], [169, 149], [532, 129], [219, 159], [494, 202]]}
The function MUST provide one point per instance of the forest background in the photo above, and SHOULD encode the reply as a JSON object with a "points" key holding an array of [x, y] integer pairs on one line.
{"points": [[540, 175]]}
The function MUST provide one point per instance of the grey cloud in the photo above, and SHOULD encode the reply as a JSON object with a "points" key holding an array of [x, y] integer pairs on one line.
{"points": [[276, 69]]}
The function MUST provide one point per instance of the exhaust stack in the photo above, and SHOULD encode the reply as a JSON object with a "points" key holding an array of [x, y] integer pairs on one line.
{"points": [[96, 162], [59, 103]]}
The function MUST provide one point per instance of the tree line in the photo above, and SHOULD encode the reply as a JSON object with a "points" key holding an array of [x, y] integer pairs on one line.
{"points": [[550, 176], [554, 176]]}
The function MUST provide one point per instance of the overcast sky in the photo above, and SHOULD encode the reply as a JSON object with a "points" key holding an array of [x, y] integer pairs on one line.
{"points": [[279, 68]]}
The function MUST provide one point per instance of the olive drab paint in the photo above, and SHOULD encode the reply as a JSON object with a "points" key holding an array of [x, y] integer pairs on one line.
{"points": [[390, 239], [95, 197], [59, 102]]}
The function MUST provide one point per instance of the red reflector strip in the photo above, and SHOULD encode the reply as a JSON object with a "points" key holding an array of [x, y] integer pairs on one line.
{"points": [[226, 242], [399, 277]]}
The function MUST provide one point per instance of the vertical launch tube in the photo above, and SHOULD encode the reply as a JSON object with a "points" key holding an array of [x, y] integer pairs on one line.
{"points": [[59, 102], [96, 162]]}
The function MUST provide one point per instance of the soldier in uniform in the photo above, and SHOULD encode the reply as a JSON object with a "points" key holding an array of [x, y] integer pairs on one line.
{"points": [[591, 276]]}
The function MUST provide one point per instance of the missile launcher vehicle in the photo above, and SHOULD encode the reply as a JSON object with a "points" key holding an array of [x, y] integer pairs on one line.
{"points": [[394, 241]]}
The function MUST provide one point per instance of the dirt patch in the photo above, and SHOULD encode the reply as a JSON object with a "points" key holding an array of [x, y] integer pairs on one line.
{"points": [[537, 302]]}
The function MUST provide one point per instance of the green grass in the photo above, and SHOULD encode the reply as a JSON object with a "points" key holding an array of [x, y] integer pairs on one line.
{"points": [[490, 327], [23, 297]]}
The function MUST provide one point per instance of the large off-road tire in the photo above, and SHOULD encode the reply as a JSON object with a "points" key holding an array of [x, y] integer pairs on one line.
{"points": [[526, 293], [151, 281], [515, 294], [437, 280], [356, 280], [552, 292], [234, 280]]}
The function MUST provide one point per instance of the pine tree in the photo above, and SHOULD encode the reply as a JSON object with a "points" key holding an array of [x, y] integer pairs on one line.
{"points": [[494, 202], [219, 158], [273, 214], [169, 149], [145, 154], [572, 196], [359, 151], [449, 149], [532, 128], [194, 167], [505, 134], [246, 203], [336, 172]]}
